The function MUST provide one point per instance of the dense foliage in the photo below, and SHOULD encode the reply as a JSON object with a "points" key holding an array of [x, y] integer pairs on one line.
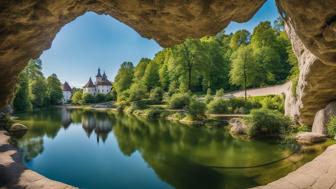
{"points": [[33, 90], [229, 62], [332, 126], [265, 122]]}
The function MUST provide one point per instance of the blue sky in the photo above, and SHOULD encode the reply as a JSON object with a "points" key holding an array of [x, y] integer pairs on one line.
{"points": [[93, 41]]}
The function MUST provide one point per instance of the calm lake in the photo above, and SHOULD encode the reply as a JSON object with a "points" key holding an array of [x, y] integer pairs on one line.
{"points": [[97, 150]]}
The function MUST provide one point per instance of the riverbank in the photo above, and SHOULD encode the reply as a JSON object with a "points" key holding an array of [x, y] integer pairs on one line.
{"points": [[14, 174], [319, 173]]}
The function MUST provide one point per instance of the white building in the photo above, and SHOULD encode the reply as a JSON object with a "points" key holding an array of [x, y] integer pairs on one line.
{"points": [[67, 92], [102, 85]]}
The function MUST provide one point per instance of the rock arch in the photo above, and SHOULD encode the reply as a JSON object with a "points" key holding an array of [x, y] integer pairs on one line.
{"points": [[28, 27]]}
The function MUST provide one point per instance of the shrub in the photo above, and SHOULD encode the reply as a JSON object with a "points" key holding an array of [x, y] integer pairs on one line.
{"points": [[139, 105], [220, 93], [100, 98], [265, 122], [77, 97], [123, 96], [331, 125], [239, 105], [217, 106], [88, 98], [196, 109], [153, 113], [208, 99], [179, 100], [137, 92], [111, 96], [273, 103], [156, 95]]}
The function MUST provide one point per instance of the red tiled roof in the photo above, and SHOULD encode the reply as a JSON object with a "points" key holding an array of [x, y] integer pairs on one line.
{"points": [[66, 87]]}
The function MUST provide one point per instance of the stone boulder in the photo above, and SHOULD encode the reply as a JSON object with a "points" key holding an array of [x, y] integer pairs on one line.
{"points": [[308, 138], [322, 117], [238, 126], [18, 130]]}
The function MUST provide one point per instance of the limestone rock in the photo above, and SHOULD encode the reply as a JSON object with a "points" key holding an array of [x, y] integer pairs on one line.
{"points": [[315, 24], [18, 129], [316, 85], [28, 27], [319, 124], [310, 138], [322, 118], [237, 126]]}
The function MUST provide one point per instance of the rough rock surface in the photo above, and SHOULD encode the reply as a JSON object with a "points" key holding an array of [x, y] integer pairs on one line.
{"points": [[322, 118], [316, 86], [317, 174], [309, 138], [237, 126], [28, 27], [13, 173], [315, 24], [18, 129]]}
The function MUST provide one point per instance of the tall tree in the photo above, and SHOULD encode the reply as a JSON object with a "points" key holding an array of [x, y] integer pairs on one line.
{"points": [[124, 77], [244, 70], [38, 92], [21, 100], [54, 89], [140, 68], [187, 57], [151, 77], [240, 37]]}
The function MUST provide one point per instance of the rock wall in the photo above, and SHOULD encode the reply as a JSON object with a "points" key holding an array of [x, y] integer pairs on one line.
{"points": [[310, 26], [28, 27]]}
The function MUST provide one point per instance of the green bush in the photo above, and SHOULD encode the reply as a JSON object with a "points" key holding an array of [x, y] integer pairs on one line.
{"points": [[331, 125], [100, 98], [111, 96], [265, 122], [123, 96], [139, 105], [156, 95], [220, 93], [88, 98], [153, 113], [179, 100], [196, 109], [217, 106], [137, 92], [240, 106], [208, 99], [273, 103]]}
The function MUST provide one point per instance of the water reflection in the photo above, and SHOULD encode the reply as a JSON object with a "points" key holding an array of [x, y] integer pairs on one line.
{"points": [[180, 156]]}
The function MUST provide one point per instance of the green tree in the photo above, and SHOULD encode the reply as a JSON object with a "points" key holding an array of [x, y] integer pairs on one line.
{"points": [[88, 98], [240, 37], [38, 93], [34, 69], [139, 70], [21, 100], [188, 56], [54, 92], [151, 78], [124, 77], [77, 97], [244, 71], [137, 92]]}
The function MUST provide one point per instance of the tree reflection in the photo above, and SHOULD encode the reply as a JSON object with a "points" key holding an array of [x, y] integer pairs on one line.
{"points": [[185, 157]]}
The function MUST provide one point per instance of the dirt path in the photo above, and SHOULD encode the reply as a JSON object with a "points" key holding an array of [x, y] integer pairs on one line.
{"points": [[272, 90]]}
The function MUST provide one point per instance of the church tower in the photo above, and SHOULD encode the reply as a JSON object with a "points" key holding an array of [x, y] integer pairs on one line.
{"points": [[99, 77]]}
